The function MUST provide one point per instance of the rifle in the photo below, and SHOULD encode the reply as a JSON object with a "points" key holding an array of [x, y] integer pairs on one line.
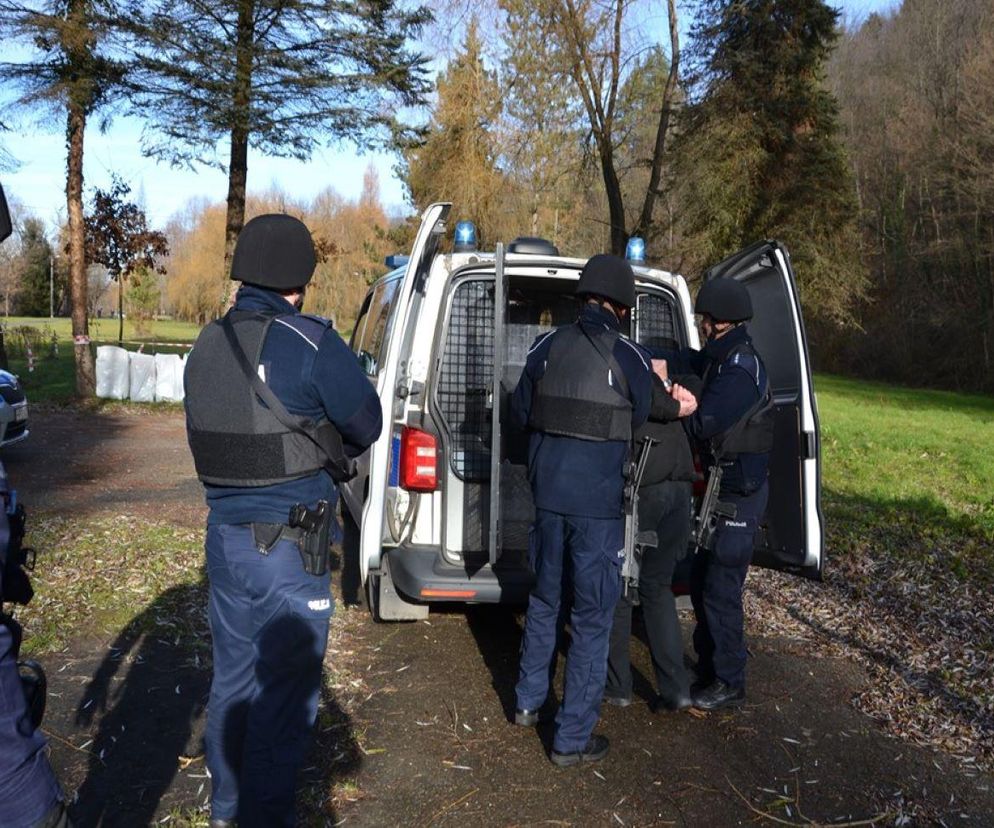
{"points": [[635, 540], [711, 509]]}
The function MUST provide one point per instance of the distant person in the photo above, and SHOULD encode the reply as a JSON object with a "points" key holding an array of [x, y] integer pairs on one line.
{"points": [[733, 427], [583, 391], [664, 507], [276, 406]]}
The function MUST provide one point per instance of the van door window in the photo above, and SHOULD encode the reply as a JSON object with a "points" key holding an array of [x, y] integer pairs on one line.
{"points": [[371, 339], [655, 322], [465, 379]]}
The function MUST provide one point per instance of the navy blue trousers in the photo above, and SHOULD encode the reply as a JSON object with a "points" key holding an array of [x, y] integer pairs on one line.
{"points": [[269, 623], [716, 582], [28, 788], [586, 555]]}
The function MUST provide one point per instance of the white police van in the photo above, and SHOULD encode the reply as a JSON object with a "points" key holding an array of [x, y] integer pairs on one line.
{"points": [[444, 338]]}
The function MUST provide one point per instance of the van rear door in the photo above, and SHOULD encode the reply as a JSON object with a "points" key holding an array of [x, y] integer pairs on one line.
{"points": [[791, 536], [422, 254]]}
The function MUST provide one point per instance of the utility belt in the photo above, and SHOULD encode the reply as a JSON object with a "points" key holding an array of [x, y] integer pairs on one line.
{"points": [[308, 529]]}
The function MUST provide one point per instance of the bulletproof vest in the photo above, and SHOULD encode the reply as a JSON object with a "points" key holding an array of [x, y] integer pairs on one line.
{"points": [[574, 398], [753, 432], [236, 440]]}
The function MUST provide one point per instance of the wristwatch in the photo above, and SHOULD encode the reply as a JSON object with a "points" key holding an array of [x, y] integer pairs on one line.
{"points": [[668, 385]]}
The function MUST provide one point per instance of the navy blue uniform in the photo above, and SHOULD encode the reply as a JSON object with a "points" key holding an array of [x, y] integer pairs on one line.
{"points": [[269, 619], [578, 537], [28, 788], [734, 382]]}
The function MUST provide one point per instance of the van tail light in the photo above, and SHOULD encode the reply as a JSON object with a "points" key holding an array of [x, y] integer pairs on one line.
{"points": [[418, 461]]}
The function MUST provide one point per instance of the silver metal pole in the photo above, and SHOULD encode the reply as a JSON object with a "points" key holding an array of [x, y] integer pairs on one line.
{"points": [[51, 287]]}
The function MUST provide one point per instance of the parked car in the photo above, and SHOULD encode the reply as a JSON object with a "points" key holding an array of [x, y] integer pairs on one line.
{"points": [[444, 337], [13, 410]]}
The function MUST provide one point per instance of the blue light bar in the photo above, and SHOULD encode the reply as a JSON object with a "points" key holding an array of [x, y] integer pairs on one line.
{"points": [[635, 252], [396, 260], [465, 239]]}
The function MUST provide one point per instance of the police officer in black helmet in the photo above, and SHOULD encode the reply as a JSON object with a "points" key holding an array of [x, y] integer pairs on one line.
{"points": [[733, 427], [276, 406], [583, 390]]}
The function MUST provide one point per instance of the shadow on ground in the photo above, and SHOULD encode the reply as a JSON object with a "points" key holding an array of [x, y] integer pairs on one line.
{"points": [[145, 710]]}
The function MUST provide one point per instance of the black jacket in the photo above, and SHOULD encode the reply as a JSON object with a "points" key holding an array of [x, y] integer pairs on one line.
{"points": [[671, 458]]}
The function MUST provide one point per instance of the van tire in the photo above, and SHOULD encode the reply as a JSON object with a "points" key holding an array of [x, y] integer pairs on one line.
{"points": [[351, 572]]}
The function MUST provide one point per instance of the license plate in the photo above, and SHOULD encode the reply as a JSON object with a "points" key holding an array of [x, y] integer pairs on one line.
{"points": [[21, 413]]}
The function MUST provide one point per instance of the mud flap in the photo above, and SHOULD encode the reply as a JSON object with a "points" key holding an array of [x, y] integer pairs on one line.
{"points": [[385, 603]]}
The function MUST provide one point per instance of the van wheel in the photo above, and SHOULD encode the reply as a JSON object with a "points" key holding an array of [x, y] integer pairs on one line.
{"points": [[351, 575], [373, 597]]}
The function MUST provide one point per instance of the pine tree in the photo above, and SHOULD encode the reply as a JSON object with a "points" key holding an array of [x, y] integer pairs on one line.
{"points": [[761, 149], [457, 160], [67, 71], [36, 257], [280, 76]]}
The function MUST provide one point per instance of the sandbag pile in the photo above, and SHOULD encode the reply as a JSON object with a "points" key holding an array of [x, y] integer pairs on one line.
{"points": [[126, 375]]}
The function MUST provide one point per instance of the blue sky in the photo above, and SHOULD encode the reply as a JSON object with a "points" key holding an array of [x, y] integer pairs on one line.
{"points": [[39, 181]]}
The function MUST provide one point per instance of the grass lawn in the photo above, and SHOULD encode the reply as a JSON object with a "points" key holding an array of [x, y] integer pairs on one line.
{"points": [[909, 449], [53, 378], [104, 331]]}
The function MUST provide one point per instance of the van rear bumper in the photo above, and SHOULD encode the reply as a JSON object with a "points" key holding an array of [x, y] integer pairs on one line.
{"points": [[421, 574]]}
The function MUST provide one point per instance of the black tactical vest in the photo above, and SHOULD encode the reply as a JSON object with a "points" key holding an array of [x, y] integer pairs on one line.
{"points": [[753, 432], [235, 439], [574, 397]]}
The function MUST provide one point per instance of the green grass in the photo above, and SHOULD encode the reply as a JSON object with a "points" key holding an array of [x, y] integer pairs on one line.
{"points": [[899, 446], [102, 575], [53, 379], [908, 477], [104, 331]]}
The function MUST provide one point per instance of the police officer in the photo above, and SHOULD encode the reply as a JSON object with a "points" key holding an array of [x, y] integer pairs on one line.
{"points": [[664, 503], [584, 389], [30, 796], [276, 406], [734, 427]]}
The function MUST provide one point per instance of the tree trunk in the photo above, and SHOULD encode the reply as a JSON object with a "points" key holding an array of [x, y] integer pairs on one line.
{"points": [[615, 198], [238, 164], [83, 356]]}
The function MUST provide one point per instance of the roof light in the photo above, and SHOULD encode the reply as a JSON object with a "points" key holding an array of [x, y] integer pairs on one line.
{"points": [[635, 252], [396, 260], [465, 239]]}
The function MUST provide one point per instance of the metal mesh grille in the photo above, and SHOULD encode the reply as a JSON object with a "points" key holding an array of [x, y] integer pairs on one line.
{"points": [[466, 377], [656, 324]]}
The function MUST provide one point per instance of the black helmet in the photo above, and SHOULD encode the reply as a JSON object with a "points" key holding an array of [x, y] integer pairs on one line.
{"points": [[724, 300], [274, 251], [608, 276]]}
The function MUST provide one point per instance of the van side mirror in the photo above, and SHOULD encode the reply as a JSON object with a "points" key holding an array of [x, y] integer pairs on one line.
{"points": [[6, 228]]}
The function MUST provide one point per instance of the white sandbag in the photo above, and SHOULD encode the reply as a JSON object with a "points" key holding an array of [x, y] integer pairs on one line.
{"points": [[142, 378], [168, 378], [113, 372]]}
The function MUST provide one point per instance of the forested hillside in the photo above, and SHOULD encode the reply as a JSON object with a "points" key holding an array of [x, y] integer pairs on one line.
{"points": [[866, 147]]}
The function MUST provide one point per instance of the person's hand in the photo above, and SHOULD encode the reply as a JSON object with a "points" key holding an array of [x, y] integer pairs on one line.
{"points": [[659, 368], [688, 402]]}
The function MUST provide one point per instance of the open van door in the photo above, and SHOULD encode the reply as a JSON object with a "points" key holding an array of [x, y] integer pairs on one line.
{"points": [[790, 537], [426, 243]]}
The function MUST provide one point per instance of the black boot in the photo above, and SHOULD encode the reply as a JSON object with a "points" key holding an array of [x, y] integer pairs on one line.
{"points": [[718, 695], [596, 749]]}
